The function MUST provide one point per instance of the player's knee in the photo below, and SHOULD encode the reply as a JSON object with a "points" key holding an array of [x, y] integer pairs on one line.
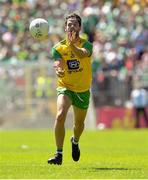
{"points": [[79, 125], [61, 116]]}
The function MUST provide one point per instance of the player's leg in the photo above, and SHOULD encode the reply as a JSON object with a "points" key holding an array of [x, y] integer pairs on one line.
{"points": [[63, 104], [80, 106], [145, 117], [137, 112], [79, 118]]}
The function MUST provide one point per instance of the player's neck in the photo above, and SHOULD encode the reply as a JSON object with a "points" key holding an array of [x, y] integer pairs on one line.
{"points": [[77, 40]]}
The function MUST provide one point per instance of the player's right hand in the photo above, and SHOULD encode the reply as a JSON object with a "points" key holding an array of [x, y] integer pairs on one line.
{"points": [[58, 66], [60, 72]]}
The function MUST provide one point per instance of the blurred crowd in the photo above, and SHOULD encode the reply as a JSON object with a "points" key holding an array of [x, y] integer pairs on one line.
{"points": [[16, 44], [118, 30]]}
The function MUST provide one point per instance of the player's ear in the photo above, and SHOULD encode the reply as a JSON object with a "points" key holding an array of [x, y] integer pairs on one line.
{"points": [[65, 29]]}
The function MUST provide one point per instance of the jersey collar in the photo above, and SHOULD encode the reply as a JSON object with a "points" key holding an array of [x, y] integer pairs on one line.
{"points": [[78, 42]]}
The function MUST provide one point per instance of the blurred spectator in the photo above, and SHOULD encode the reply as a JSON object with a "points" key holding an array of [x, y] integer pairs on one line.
{"points": [[139, 99]]}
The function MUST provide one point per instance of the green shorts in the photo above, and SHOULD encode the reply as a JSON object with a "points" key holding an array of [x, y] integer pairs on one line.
{"points": [[80, 100]]}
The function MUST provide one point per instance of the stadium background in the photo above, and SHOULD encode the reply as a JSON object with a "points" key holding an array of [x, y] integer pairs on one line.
{"points": [[118, 31]]}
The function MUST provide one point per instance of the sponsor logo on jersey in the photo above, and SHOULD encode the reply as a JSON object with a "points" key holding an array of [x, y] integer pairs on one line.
{"points": [[73, 64]]}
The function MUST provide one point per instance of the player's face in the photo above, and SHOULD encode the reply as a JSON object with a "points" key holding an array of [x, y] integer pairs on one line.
{"points": [[72, 25]]}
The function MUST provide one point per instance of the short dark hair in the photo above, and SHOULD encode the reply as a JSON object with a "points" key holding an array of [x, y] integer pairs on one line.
{"points": [[73, 15]]}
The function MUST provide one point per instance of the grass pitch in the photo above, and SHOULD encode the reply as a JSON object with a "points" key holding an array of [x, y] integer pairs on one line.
{"points": [[108, 154]]}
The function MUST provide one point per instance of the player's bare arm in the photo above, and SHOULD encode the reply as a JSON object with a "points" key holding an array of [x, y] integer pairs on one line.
{"points": [[79, 52]]}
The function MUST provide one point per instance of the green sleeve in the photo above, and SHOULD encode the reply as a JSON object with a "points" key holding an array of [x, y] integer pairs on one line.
{"points": [[55, 54], [87, 45]]}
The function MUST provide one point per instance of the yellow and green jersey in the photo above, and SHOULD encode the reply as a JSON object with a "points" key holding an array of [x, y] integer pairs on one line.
{"points": [[78, 73]]}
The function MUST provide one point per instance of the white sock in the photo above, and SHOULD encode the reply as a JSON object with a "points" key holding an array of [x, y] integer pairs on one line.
{"points": [[74, 141], [60, 151]]}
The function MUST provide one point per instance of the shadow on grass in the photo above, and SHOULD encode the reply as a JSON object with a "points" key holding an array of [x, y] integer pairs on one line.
{"points": [[108, 169]]}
